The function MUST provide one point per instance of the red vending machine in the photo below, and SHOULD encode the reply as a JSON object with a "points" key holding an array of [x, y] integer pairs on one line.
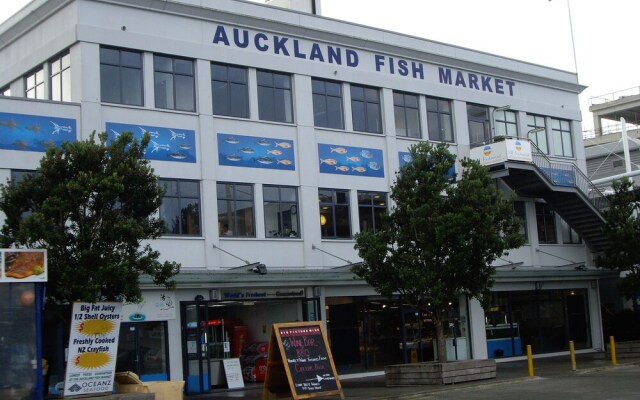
{"points": [[239, 339]]}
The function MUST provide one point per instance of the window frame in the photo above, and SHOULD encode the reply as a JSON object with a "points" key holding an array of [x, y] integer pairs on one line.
{"points": [[60, 77], [123, 68], [284, 207], [559, 135], [179, 196], [5, 91], [177, 76], [369, 105], [321, 103], [568, 234], [545, 224], [232, 219], [505, 123], [435, 126], [234, 87], [370, 208], [270, 92], [534, 122], [401, 110], [330, 209], [485, 121], [34, 87], [520, 211]]}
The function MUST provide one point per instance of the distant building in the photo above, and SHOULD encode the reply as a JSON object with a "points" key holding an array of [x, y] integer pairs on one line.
{"points": [[278, 134]]}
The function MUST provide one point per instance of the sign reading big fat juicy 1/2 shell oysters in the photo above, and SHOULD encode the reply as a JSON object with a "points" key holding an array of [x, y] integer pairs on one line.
{"points": [[93, 347]]}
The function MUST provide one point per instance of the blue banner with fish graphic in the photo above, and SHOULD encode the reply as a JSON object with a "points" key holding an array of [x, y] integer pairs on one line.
{"points": [[346, 160], [34, 132], [405, 157], [255, 152], [166, 144]]}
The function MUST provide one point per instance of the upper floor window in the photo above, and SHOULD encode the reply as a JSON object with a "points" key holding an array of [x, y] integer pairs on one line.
{"points": [[34, 84], [174, 83], [479, 125], [371, 207], [405, 110], [561, 137], [537, 132], [439, 120], [180, 209], [61, 78], [365, 109], [235, 210], [546, 223], [5, 91], [505, 122], [569, 235], [121, 76], [327, 104], [229, 90], [334, 214], [275, 102], [281, 211], [521, 213]]}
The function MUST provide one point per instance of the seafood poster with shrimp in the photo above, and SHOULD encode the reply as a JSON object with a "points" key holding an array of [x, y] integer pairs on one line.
{"points": [[256, 152], [23, 265], [26, 132], [93, 348], [166, 144], [346, 160]]}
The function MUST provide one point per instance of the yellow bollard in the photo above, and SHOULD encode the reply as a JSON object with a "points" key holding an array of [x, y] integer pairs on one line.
{"points": [[572, 352], [612, 347], [530, 360]]}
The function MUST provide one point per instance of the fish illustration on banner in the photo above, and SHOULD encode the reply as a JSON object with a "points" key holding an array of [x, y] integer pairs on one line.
{"points": [[26, 132], [346, 160], [166, 144], [255, 152], [405, 157]]}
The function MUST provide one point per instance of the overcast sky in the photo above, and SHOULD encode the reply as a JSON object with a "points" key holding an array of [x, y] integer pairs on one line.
{"points": [[536, 31]]}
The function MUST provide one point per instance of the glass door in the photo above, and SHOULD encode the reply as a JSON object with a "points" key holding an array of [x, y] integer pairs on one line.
{"points": [[142, 349]]}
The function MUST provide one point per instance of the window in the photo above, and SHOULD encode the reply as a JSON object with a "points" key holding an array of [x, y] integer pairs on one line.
{"points": [[274, 97], [235, 210], [327, 104], [569, 235], [371, 207], [561, 136], [281, 211], [180, 209], [174, 83], [34, 84], [365, 109], [479, 126], [334, 213], [537, 132], [121, 76], [405, 110], [505, 123], [61, 78], [521, 213], [545, 219], [5, 91], [230, 90], [439, 120]]}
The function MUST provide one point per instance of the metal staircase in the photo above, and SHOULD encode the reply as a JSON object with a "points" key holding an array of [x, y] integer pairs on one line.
{"points": [[564, 187]]}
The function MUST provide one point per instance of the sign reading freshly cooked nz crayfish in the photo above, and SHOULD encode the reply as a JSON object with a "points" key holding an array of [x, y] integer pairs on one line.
{"points": [[93, 347]]}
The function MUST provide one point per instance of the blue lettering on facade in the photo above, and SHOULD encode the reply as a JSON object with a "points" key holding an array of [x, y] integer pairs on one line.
{"points": [[244, 43], [296, 50], [352, 58], [316, 53], [402, 68], [477, 82], [261, 46], [279, 45], [335, 55], [220, 36], [418, 69]]}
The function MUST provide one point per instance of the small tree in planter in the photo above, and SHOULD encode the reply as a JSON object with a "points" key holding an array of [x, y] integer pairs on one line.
{"points": [[439, 240]]}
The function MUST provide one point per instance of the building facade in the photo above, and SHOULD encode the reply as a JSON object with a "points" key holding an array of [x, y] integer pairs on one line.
{"points": [[277, 135]]}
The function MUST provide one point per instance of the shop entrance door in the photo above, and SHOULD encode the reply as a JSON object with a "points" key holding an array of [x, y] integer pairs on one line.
{"points": [[142, 348], [311, 309]]}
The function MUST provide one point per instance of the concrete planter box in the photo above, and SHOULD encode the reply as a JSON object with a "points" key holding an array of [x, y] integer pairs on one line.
{"points": [[435, 373]]}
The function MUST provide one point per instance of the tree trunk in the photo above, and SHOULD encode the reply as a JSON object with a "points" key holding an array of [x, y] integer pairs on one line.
{"points": [[440, 341]]}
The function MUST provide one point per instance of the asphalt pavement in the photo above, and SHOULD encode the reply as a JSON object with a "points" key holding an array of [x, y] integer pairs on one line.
{"points": [[595, 377]]}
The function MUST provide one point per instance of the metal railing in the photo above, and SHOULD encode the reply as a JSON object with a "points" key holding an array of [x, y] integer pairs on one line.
{"points": [[567, 174], [620, 94]]}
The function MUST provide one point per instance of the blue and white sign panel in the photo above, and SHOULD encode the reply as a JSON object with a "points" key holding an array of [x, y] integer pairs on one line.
{"points": [[166, 144], [34, 132], [346, 160], [255, 152], [405, 157]]}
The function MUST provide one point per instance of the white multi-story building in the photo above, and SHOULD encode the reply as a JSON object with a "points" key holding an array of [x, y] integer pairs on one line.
{"points": [[277, 134]]}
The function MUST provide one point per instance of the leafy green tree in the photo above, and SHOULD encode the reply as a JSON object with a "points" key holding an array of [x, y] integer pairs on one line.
{"points": [[622, 229], [92, 205], [439, 240]]}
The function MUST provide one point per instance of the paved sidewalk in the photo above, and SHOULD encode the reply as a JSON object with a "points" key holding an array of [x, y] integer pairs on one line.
{"points": [[552, 373]]}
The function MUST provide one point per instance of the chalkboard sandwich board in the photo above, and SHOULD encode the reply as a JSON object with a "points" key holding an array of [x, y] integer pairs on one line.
{"points": [[300, 364]]}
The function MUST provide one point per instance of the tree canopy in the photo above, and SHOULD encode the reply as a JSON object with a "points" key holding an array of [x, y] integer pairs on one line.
{"points": [[622, 229], [440, 238], [92, 205]]}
